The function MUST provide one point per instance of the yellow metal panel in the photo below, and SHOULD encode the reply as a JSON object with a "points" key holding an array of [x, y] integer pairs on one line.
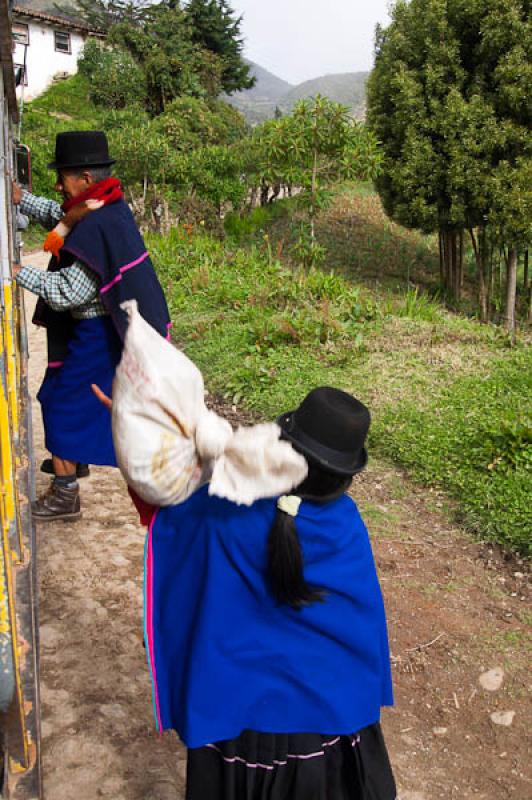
{"points": [[11, 360], [24, 753], [6, 454]]}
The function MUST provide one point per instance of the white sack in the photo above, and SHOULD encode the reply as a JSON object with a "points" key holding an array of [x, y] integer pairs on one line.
{"points": [[167, 443]]}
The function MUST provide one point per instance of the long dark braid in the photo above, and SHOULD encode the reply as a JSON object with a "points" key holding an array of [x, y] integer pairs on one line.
{"points": [[285, 559]]}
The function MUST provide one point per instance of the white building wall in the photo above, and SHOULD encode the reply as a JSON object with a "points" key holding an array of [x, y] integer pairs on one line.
{"points": [[43, 61]]}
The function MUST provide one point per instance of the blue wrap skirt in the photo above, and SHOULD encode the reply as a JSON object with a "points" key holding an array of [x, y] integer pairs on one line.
{"points": [[77, 427]]}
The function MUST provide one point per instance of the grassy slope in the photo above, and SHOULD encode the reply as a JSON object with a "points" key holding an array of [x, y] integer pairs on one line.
{"points": [[64, 106], [449, 398]]}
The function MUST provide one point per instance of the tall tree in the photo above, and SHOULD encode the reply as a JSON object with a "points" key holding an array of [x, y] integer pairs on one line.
{"points": [[103, 14], [216, 28], [172, 63], [193, 50], [448, 99]]}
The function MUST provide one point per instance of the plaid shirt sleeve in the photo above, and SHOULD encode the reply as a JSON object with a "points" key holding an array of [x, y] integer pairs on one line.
{"points": [[63, 290], [44, 211]]}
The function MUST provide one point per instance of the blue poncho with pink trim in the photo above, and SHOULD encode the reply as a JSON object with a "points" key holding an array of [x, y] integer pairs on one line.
{"points": [[225, 657], [109, 243]]}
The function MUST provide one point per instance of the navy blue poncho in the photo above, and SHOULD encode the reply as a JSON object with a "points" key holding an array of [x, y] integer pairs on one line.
{"points": [[109, 243], [226, 657]]}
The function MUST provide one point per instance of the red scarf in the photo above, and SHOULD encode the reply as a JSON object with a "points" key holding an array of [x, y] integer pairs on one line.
{"points": [[108, 190]]}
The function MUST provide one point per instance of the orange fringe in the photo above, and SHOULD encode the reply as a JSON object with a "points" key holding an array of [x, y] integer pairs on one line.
{"points": [[53, 243]]}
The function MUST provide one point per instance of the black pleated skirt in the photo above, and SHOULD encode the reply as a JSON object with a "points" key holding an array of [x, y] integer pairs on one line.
{"points": [[259, 766]]}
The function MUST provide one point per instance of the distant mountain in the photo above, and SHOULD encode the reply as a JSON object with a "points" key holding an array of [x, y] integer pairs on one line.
{"points": [[268, 86], [259, 102], [270, 92], [348, 88]]}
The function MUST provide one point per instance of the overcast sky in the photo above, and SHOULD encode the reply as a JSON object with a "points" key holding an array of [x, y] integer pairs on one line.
{"points": [[302, 39]]}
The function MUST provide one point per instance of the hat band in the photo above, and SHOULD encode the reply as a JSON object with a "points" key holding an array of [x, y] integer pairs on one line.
{"points": [[328, 457]]}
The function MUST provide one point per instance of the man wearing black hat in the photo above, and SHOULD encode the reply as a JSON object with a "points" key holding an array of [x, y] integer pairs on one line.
{"points": [[100, 263]]}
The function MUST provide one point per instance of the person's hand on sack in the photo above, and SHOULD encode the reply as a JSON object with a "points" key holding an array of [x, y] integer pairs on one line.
{"points": [[104, 399], [168, 443]]}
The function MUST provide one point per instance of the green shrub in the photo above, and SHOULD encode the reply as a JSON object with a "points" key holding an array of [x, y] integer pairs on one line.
{"points": [[418, 305], [64, 106], [190, 122], [116, 80], [252, 225]]}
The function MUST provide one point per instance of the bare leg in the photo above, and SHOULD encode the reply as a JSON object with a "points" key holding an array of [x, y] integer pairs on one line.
{"points": [[63, 467]]}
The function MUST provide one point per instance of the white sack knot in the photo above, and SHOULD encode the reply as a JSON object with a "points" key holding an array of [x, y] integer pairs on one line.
{"points": [[257, 463], [212, 435], [168, 444]]}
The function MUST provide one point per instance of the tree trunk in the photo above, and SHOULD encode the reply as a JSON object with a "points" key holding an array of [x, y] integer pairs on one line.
{"points": [[528, 288], [441, 248], [276, 191], [264, 192], [454, 267], [480, 258], [461, 263], [511, 289], [491, 278], [252, 197], [444, 256], [447, 244]]}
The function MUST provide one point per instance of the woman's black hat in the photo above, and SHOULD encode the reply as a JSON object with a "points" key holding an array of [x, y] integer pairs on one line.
{"points": [[81, 149], [329, 428]]}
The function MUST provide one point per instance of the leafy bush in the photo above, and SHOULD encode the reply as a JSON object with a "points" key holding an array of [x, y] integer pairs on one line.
{"points": [[511, 447], [418, 305], [64, 106], [143, 155], [189, 122], [214, 173], [116, 79], [241, 226]]}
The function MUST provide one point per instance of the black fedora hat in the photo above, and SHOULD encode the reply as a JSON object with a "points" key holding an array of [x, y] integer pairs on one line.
{"points": [[329, 428], [81, 149]]}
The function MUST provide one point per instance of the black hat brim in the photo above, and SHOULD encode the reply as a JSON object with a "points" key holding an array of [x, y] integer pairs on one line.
{"points": [[56, 165], [330, 460]]}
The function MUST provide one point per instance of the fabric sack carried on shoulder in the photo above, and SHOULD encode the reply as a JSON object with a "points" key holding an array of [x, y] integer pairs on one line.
{"points": [[168, 443]]}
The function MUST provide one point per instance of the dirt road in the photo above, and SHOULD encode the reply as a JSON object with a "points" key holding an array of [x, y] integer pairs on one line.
{"points": [[457, 610]]}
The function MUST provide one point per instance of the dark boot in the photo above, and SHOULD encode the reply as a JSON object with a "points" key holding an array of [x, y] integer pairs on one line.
{"points": [[82, 470], [59, 502]]}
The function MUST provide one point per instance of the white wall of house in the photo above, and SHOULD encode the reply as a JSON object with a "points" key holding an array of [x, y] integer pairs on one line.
{"points": [[43, 60]]}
